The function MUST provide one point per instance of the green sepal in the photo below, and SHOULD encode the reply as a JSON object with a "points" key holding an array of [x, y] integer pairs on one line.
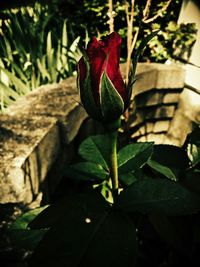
{"points": [[112, 104], [86, 93]]}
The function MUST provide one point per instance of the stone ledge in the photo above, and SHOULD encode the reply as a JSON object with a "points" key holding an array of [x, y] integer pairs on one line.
{"points": [[24, 142], [158, 76], [157, 97], [59, 101], [35, 130], [187, 113], [147, 128]]}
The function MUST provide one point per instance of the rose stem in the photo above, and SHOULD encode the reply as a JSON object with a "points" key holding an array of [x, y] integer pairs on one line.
{"points": [[113, 164]]}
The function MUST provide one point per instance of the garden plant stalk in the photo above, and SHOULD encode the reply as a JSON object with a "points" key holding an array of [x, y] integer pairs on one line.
{"points": [[113, 164]]}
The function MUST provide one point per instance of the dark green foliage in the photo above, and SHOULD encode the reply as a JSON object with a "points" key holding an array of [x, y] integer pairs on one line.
{"points": [[87, 171], [27, 239], [134, 156], [88, 229], [158, 196], [17, 3], [174, 42], [24, 237], [96, 149], [23, 221], [167, 172], [87, 232], [172, 157], [78, 13]]}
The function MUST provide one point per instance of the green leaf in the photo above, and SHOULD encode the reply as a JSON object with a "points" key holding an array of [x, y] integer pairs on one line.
{"points": [[134, 156], [127, 178], [193, 146], [42, 68], [158, 196], [20, 73], [191, 181], [143, 44], [23, 221], [10, 92], [21, 86], [87, 171], [22, 236], [96, 149], [114, 243], [58, 57], [86, 232], [8, 49], [74, 45], [167, 172], [27, 239], [53, 214], [194, 153], [49, 51], [64, 43], [167, 230], [172, 157], [112, 104]]}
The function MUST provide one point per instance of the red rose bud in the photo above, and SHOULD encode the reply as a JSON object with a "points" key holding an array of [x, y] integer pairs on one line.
{"points": [[102, 89]]}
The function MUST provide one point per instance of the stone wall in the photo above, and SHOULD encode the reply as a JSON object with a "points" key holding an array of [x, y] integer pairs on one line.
{"points": [[156, 97], [33, 133], [37, 132], [164, 110]]}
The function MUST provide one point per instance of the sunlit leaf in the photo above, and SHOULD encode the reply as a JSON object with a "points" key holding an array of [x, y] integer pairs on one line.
{"points": [[134, 156], [86, 171], [96, 149]]}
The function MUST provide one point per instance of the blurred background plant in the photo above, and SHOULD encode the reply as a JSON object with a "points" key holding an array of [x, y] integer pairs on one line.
{"points": [[34, 50], [173, 43], [39, 42], [148, 15]]}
